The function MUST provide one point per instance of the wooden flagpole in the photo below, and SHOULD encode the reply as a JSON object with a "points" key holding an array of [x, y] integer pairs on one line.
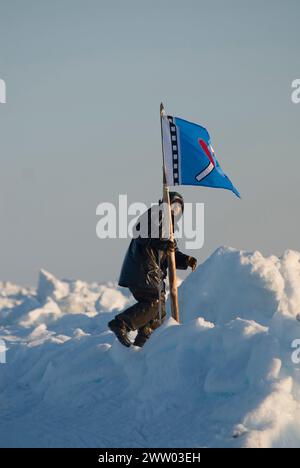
{"points": [[171, 255]]}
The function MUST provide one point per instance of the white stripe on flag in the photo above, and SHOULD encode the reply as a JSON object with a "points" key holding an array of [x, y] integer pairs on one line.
{"points": [[205, 173]]}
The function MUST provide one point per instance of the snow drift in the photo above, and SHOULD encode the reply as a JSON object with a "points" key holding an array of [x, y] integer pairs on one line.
{"points": [[225, 377]]}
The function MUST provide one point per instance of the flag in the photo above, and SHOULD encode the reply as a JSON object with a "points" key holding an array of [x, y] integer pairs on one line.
{"points": [[189, 156]]}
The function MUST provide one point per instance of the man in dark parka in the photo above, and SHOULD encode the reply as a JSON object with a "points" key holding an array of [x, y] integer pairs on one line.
{"points": [[143, 272]]}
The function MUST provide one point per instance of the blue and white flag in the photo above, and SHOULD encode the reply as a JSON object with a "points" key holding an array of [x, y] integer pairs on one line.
{"points": [[189, 157]]}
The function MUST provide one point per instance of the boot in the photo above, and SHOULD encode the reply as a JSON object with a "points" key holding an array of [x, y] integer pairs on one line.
{"points": [[121, 330], [143, 335], [140, 339]]}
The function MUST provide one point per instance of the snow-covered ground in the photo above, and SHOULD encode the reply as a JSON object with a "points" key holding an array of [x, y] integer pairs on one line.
{"points": [[223, 378]]}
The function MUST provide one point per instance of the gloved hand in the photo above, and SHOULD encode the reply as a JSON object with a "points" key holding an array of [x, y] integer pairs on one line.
{"points": [[192, 262], [165, 245], [170, 246]]}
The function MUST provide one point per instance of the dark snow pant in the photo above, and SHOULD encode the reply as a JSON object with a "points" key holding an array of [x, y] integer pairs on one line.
{"points": [[144, 315]]}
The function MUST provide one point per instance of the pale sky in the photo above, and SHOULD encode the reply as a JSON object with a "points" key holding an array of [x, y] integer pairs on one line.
{"points": [[81, 123]]}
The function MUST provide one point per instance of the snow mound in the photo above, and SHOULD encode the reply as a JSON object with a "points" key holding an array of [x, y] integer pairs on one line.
{"points": [[50, 287], [233, 283], [225, 377]]}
